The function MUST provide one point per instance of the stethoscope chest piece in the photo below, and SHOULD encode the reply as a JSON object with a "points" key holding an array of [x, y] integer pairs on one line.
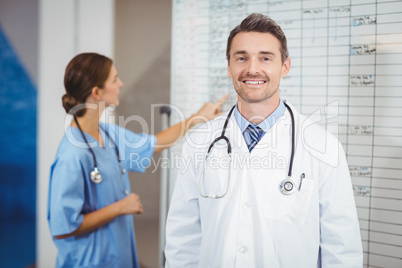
{"points": [[287, 186], [96, 176]]}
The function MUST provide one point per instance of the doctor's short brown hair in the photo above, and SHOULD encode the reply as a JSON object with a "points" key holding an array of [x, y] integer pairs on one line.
{"points": [[262, 24]]}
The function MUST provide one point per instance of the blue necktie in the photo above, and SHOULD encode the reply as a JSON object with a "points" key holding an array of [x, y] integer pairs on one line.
{"points": [[255, 135]]}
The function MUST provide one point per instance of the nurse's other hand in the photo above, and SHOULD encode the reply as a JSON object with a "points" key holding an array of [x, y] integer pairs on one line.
{"points": [[209, 111], [131, 204]]}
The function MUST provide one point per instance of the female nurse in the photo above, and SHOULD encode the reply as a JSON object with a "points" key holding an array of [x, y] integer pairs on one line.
{"points": [[90, 205]]}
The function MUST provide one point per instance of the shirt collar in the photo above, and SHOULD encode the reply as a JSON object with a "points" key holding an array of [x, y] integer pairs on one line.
{"points": [[264, 125]]}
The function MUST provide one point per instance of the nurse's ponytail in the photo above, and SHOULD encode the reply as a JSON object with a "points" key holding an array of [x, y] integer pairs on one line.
{"points": [[69, 103]]}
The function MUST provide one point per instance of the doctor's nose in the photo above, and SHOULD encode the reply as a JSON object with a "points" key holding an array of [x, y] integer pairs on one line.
{"points": [[252, 67]]}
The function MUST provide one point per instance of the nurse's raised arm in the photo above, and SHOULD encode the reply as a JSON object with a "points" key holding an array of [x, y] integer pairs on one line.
{"points": [[170, 136]]}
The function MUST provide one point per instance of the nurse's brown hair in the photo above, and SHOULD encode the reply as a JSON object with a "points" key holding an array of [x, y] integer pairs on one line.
{"points": [[84, 72]]}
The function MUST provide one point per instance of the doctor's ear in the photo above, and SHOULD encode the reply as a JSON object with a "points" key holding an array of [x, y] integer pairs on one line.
{"points": [[286, 67], [229, 71]]}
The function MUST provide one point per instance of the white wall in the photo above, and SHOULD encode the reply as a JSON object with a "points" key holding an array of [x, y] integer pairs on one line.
{"points": [[66, 28]]}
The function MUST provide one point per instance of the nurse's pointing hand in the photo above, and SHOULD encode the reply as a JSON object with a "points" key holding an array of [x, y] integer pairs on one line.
{"points": [[131, 204], [209, 111], [173, 134]]}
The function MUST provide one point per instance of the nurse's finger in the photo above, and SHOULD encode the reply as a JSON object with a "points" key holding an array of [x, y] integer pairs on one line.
{"points": [[219, 103], [216, 115]]}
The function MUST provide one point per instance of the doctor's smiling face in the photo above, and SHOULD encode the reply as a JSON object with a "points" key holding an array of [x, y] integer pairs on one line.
{"points": [[256, 66]]}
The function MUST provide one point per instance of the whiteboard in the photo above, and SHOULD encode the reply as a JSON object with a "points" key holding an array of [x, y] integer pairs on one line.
{"points": [[346, 63]]}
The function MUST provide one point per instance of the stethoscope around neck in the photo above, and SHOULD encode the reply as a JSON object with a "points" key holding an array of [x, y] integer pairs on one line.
{"points": [[95, 175], [287, 186]]}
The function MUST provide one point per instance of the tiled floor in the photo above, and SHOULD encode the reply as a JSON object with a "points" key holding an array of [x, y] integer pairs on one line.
{"points": [[147, 238]]}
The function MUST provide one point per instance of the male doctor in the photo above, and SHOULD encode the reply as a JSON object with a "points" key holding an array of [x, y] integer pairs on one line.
{"points": [[258, 207]]}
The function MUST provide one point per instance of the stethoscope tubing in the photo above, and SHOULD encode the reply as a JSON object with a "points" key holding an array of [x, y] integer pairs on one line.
{"points": [[287, 186], [89, 147], [222, 136], [293, 140]]}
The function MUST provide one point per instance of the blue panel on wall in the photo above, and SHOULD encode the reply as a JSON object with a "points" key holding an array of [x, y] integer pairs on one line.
{"points": [[18, 99]]}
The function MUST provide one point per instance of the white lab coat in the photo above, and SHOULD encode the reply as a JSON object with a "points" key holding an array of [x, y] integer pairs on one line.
{"points": [[254, 224]]}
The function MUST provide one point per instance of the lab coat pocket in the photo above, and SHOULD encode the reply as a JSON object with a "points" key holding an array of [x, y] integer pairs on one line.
{"points": [[291, 208]]}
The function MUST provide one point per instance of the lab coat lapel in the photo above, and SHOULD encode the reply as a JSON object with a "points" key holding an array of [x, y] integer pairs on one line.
{"points": [[279, 131], [236, 137]]}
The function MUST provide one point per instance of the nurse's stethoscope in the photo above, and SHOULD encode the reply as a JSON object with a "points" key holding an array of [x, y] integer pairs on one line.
{"points": [[287, 186], [95, 175]]}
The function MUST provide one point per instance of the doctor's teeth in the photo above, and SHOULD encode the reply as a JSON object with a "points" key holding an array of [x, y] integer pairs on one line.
{"points": [[254, 82]]}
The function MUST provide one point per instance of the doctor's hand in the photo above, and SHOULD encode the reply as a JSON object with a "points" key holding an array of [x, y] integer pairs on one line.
{"points": [[131, 204], [208, 111]]}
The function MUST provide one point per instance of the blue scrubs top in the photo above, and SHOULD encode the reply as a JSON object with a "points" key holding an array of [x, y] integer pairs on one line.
{"points": [[72, 194]]}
